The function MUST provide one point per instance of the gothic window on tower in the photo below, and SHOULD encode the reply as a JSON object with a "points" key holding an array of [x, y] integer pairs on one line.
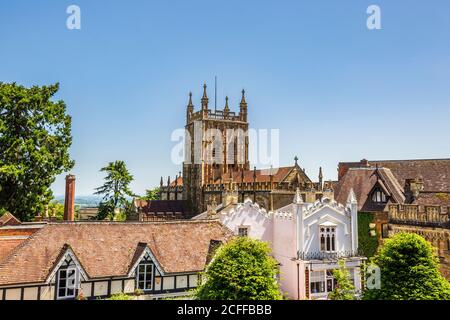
{"points": [[378, 196], [327, 237]]}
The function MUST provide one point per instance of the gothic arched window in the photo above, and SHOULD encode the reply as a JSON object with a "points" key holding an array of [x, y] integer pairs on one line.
{"points": [[327, 235]]}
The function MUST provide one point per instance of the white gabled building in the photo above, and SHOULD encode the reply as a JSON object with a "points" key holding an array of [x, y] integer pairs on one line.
{"points": [[307, 239]]}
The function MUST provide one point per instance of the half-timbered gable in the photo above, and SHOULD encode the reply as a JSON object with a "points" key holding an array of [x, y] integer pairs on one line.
{"points": [[98, 259]]}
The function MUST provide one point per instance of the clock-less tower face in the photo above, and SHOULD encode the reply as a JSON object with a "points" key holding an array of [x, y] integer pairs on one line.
{"points": [[216, 144]]}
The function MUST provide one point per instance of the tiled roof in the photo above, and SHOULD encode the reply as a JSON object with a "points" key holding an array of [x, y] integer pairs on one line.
{"points": [[434, 172], [262, 175], [433, 199], [8, 245], [362, 181], [154, 206], [107, 249], [9, 219], [177, 182]]}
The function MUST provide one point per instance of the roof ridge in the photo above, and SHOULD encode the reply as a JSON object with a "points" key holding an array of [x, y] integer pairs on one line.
{"points": [[121, 222], [397, 160]]}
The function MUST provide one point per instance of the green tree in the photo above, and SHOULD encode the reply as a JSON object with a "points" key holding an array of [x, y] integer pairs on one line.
{"points": [[409, 271], [35, 136], [344, 289], [151, 194], [56, 209], [115, 189], [120, 296], [241, 270]]}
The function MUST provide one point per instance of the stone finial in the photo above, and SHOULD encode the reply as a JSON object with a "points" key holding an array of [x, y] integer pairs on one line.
{"points": [[296, 160], [190, 104], [351, 197], [298, 199], [243, 102], [205, 98], [226, 110]]}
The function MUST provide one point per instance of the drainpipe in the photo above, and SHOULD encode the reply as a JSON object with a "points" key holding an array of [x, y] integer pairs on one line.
{"points": [[298, 281]]}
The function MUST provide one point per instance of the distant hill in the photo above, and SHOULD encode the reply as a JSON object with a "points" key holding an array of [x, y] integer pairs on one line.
{"points": [[82, 201]]}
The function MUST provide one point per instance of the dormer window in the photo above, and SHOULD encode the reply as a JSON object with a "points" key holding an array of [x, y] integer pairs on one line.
{"points": [[145, 273], [68, 279], [327, 236], [378, 196]]}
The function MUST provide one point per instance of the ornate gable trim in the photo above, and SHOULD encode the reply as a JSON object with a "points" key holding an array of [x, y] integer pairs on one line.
{"points": [[145, 251], [66, 253]]}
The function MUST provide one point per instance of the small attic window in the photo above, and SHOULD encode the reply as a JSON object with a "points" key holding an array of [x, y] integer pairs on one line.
{"points": [[145, 273], [378, 196], [67, 281]]}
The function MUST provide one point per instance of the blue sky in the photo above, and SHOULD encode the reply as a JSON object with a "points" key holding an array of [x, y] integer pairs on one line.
{"points": [[336, 90]]}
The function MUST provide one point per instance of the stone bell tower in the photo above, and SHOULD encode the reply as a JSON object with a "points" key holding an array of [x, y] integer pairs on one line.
{"points": [[216, 144]]}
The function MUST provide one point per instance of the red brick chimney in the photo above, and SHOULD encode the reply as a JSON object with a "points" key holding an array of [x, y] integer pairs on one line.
{"points": [[69, 204]]}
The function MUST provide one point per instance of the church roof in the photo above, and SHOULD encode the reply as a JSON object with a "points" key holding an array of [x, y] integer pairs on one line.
{"points": [[154, 206], [262, 175]]}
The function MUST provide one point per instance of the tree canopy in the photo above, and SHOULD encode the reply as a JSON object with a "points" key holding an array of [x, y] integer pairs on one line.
{"points": [[115, 189], [409, 271], [35, 137], [151, 194], [241, 270], [344, 289]]}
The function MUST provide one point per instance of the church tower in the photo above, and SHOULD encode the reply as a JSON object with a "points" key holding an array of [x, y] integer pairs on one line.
{"points": [[216, 145]]}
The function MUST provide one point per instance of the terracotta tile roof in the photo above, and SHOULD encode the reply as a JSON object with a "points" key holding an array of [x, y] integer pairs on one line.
{"points": [[9, 220], [8, 245], [262, 175], [362, 181], [434, 172], [177, 182], [107, 249]]}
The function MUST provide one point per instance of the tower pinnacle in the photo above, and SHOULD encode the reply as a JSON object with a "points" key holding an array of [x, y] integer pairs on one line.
{"points": [[204, 98], [226, 110]]}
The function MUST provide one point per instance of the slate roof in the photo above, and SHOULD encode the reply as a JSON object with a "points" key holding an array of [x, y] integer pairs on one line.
{"points": [[107, 249], [154, 206], [363, 180], [434, 172]]}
